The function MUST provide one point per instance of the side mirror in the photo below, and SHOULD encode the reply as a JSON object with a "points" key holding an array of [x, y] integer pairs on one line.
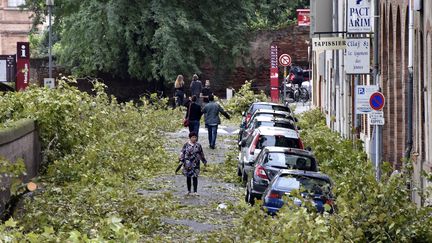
{"points": [[298, 128], [308, 148], [251, 163], [243, 143], [244, 113], [295, 119]]}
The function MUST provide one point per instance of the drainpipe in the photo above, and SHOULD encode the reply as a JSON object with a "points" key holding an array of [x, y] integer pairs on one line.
{"points": [[409, 137]]}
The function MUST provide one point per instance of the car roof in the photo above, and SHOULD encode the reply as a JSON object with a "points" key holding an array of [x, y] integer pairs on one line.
{"points": [[272, 149], [269, 111], [266, 103], [318, 175], [274, 119], [271, 131]]}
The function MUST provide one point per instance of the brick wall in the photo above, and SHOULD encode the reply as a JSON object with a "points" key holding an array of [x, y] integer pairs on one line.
{"points": [[291, 40]]}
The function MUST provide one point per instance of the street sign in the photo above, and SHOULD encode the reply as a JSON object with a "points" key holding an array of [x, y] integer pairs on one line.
{"points": [[376, 118], [49, 83], [274, 73], [359, 16], [377, 101], [362, 98], [285, 60], [328, 43], [357, 56], [23, 65], [303, 17]]}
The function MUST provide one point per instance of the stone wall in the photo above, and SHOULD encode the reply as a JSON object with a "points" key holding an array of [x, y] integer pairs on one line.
{"points": [[19, 141]]}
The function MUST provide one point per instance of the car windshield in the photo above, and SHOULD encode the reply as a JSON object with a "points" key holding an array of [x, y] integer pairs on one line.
{"points": [[277, 141], [291, 161], [313, 185], [276, 124], [270, 107]]}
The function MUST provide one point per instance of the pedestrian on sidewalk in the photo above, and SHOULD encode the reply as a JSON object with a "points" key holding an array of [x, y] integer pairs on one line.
{"points": [[191, 156], [211, 116], [179, 92], [196, 86], [193, 114], [206, 91]]}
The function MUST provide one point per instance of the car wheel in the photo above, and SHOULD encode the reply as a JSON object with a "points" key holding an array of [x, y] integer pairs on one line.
{"points": [[239, 173], [249, 196], [244, 178]]}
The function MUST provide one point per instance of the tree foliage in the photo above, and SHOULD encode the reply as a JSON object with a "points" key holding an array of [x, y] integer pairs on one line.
{"points": [[148, 39], [157, 39]]}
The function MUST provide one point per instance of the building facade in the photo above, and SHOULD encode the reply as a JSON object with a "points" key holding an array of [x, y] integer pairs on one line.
{"points": [[333, 89], [15, 25]]}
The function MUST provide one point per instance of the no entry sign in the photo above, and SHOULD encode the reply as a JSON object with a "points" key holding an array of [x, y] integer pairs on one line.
{"points": [[377, 101], [285, 60]]}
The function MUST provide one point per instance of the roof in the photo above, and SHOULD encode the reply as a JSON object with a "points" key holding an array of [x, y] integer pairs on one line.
{"points": [[273, 119], [289, 150], [271, 131], [318, 175], [268, 111], [270, 103]]}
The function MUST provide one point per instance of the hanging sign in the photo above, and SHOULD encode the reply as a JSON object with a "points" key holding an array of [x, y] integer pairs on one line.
{"points": [[328, 43], [359, 16], [303, 17], [23, 65], [357, 56]]}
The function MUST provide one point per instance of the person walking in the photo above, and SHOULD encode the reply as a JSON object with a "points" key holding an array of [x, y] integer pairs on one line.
{"points": [[196, 86], [191, 156], [211, 116], [193, 114], [206, 91], [179, 92]]}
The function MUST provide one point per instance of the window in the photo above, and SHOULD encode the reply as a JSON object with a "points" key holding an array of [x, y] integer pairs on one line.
{"points": [[278, 141], [304, 184], [15, 3], [291, 161]]}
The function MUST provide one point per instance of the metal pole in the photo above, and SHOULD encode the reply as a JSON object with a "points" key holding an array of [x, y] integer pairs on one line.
{"points": [[378, 143], [284, 85], [377, 157], [50, 42]]}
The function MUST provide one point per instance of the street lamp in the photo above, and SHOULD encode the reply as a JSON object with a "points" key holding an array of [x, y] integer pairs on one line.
{"points": [[50, 4]]}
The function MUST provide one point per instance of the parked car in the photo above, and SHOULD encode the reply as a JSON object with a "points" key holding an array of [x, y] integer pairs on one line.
{"points": [[247, 115], [261, 138], [268, 164], [314, 187], [266, 113], [266, 121]]}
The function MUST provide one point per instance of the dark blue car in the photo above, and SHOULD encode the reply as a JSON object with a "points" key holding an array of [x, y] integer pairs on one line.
{"points": [[314, 187]]}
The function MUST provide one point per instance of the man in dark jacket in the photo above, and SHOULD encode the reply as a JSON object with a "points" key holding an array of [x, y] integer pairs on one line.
{"points": [[211, 116], [194, 115]]}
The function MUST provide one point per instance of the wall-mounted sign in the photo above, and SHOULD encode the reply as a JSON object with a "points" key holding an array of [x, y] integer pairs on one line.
{"points": [[362, 98], [359, 16], [328, 43], [357, 56], [303, 17], [23, 65]]}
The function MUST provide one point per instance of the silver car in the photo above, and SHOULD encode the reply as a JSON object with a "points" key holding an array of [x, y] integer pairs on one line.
{"points": [[262, 137]]}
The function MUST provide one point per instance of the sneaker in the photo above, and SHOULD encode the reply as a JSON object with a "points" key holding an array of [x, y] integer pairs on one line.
{"points": [[188, 194], [196, 194]]}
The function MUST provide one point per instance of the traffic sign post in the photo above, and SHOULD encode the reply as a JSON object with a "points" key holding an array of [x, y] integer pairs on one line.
{"points": [[285, 61], [376, 118]]}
